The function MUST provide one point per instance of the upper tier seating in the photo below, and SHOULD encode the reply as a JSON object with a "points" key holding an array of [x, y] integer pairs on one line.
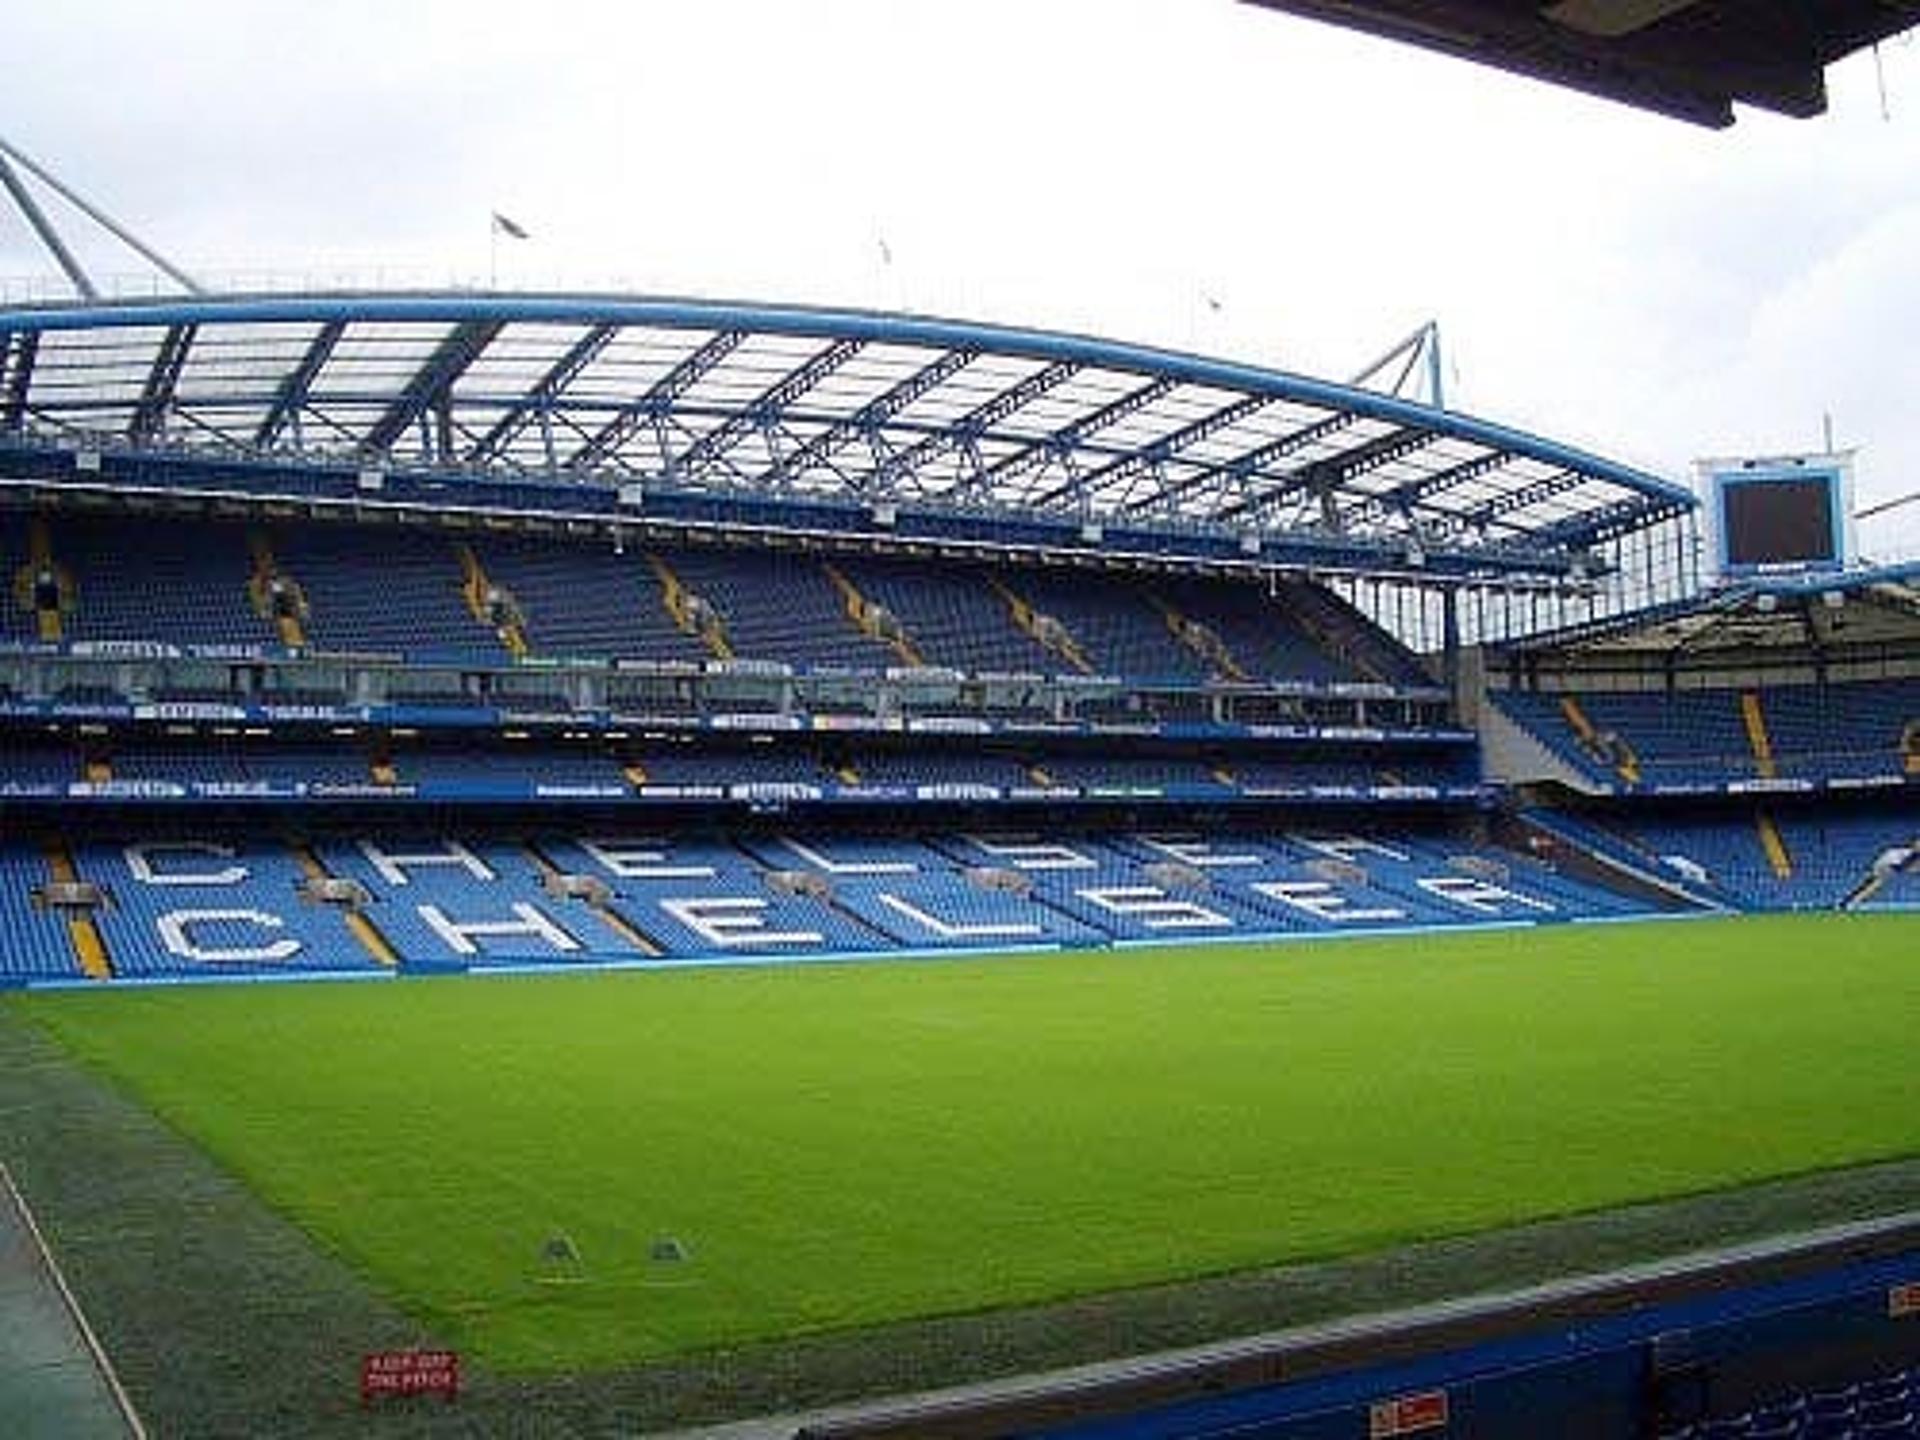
{"points": [[581, 600], [1114, 624], [1342, 629], [384, 592], [1256, 630], [17, 623], [481, 599], [949, 614], [146, 580], [1703, 736], [778, 607]]}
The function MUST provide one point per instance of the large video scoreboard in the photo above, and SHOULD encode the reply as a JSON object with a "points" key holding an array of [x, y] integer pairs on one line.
{"points": [[1782, 513]]}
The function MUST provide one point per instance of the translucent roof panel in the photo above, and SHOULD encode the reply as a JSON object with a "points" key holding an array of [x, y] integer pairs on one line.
{"points": [[731, 398]]}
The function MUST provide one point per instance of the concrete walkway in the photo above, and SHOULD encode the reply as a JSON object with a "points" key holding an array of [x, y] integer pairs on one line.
{"points": [[53, 1385]]}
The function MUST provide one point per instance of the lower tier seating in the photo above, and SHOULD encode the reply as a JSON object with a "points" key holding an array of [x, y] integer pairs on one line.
{"points": [[1766, 858], [174, 904]]}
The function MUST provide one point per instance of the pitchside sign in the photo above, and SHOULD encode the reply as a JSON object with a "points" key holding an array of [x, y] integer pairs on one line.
{"points": [[409, 1372], [1408, 1414]]}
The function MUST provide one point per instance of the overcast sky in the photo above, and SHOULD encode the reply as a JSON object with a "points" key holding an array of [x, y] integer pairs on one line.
{"points": [[1122, 167]]}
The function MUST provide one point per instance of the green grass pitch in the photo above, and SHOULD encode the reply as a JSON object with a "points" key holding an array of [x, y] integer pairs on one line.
{"points": [[843, 1145]]}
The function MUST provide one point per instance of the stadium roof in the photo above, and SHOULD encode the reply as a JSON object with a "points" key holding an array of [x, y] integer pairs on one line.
{"points": [[1877, 605], [651, 399], [1691, 59]]}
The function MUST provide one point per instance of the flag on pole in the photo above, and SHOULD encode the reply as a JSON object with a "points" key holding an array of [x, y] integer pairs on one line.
{"points": [[504, 226]]}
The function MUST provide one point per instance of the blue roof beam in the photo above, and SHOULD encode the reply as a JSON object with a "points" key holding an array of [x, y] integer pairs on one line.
{"points": [[1513, 501], [16, 375], [653, 406], [149, 420], [431, 389], [873, 416], [964, 434], [1244, 471], [1241, 468], [1151, 457], [1323, 479], [1064, 441], [765, 412], [1406, 496], [1622, 517], [291, 398], [538, 402]]}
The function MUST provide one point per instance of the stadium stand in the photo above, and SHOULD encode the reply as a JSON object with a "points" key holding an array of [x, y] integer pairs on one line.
{"points": [[397, 594], [37, 944], [244, 904], [948, 615], [1655, 739], [390, 676], [575, 599]]}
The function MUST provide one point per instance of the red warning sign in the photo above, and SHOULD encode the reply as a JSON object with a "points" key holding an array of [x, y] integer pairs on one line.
{"points": [[409, 1372], [1408, 1414]]}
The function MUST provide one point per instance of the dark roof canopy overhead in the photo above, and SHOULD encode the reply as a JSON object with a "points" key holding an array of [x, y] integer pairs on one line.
{"points": [[1691, 59]]}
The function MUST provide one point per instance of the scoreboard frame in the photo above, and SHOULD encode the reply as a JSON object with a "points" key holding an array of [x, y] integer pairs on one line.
{"points": [[1720, 480]]}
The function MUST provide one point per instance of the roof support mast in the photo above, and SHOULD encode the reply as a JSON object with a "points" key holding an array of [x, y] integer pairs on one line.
{"points": [[50, 236]]}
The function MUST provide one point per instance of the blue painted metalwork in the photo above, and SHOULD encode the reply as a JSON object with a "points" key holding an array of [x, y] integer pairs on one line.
{"points": [[430, 387], [1412, 492], [540, 399], [768, 409], [975, 423], [939, 418], [149, 418], [291, 397], [659, 398], [869, 418], [1067, 437]]}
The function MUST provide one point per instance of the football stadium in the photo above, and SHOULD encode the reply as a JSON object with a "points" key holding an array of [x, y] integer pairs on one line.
{"points": [[590, 863]]}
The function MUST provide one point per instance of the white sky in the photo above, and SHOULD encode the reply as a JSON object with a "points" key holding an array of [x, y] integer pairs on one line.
{"points": [[1639, 286]]}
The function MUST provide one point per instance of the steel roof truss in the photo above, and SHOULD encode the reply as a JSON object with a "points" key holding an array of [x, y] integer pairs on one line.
{"points": [[1152, 458], [969, 427], [1415, 494], [1068, 437], [1245, 467], [538, 403], [163, 379], [658, 400], [868, 420], [771, 404], [291, 397], [431, 390], [1514, 501]]}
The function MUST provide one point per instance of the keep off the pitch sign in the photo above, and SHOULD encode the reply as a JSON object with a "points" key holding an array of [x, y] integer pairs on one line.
{"points": [[409, 1372]]}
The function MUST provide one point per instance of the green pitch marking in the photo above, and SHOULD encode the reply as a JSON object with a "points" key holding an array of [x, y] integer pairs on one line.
{"points": [[836, 1146]]}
